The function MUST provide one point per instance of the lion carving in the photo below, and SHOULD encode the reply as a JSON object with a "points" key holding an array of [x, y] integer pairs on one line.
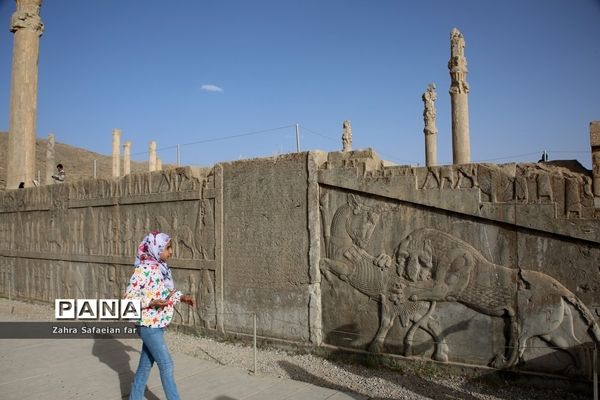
{"points": [[438, 267], [351, 230]]}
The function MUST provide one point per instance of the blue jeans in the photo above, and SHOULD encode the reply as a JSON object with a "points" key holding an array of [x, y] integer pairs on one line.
{"points": [[154, 349]]}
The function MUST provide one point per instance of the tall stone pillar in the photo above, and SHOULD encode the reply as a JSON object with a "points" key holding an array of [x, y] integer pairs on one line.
{"points": [[459, 89], [595, 143], [27, 27], [49, 159], [127, 158], [430, 130], [346, 136], [152, 156], [116, 153]]}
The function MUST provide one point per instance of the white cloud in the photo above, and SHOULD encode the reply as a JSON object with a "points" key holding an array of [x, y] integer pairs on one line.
{"points": [[211, 88]]}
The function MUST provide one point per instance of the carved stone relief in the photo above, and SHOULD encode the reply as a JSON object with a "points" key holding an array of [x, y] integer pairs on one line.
{"points": [[571, 193], [199, 284], [79, 240], [427, 273]]}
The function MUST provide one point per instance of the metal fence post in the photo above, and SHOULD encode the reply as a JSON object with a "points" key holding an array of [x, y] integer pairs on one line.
{"points": [[9, 289], [255, 344], [595, 377]]}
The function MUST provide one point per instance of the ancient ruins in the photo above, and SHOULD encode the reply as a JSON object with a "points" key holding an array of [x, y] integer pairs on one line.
{"points": [[451, 263], [50, 154], [430, 129], [116, 153], [127, 157], [471, 263], [27, 27], [459, 90], [346, 136]]}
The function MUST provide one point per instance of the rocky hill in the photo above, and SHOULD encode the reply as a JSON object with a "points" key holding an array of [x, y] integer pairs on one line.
{"points": [[79, 163]]}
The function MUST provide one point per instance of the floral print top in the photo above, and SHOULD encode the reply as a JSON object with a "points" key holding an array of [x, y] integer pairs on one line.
{"points": [[152, 280], [147, 284]]}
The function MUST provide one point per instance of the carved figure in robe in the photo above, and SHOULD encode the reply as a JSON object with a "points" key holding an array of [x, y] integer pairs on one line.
{"points": [[544, 188]]}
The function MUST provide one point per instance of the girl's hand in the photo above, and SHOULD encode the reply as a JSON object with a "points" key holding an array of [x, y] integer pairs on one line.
{"points": [[159, 303], [187, 300]]}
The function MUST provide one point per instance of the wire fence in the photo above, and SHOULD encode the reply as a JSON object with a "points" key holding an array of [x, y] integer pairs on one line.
{"points": [[288, 139], [272, 142]]}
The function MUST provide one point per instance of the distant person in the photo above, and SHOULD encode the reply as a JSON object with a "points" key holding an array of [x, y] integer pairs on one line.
{"points": [[152, 283], [59, 177], [22, 185]]}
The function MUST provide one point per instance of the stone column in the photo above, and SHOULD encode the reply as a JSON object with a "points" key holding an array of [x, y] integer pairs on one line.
{"points": [[346, 136], [430, 130], [158, 164], [49, 159], [459, 89], [595, 143], [152, 156], [127, 158], [116, 153], [27, 27]]}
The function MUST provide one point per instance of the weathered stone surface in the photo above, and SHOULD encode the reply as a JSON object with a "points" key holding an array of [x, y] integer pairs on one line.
{"points": [[127, 158], [595, 133], [479, 263], [116, 153], [459, 90], [152, 161], [430, 128], [595, 143], [79, 240], [27, 27], [440, 269], [346, 136], [50, 154], [266, 246]]}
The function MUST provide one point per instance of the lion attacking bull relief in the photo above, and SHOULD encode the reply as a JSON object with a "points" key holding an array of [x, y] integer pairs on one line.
{"points": [[351, 230], [429, 267]]}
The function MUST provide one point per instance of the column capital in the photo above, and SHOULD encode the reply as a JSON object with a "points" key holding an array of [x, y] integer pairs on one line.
{"points": [[458, 63], [429, 112], [27, 16], [595, 133], [346, 136]]}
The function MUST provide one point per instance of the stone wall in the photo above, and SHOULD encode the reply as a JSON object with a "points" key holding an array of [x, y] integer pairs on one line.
{"points": [[79, 240], [266, 243], [492, 265]]}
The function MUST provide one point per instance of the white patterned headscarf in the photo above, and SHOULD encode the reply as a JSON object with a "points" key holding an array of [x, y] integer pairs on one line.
{"points": [[149, 253]]}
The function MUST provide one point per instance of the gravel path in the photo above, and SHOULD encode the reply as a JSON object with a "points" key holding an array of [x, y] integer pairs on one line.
{"points": [[375, 383]]}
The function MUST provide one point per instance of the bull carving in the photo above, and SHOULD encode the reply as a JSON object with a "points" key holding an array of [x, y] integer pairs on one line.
{"points": [[439, 267]]}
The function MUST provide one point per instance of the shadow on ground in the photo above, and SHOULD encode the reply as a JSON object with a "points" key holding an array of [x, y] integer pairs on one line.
{"points": [[424, 377], [300, 374], [115, 355]]}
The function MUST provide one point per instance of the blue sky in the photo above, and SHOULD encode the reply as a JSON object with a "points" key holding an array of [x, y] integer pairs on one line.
{"points": [[186, 71]]}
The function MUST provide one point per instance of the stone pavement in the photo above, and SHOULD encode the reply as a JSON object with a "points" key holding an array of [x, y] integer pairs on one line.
{"points": [[103, 369]]}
